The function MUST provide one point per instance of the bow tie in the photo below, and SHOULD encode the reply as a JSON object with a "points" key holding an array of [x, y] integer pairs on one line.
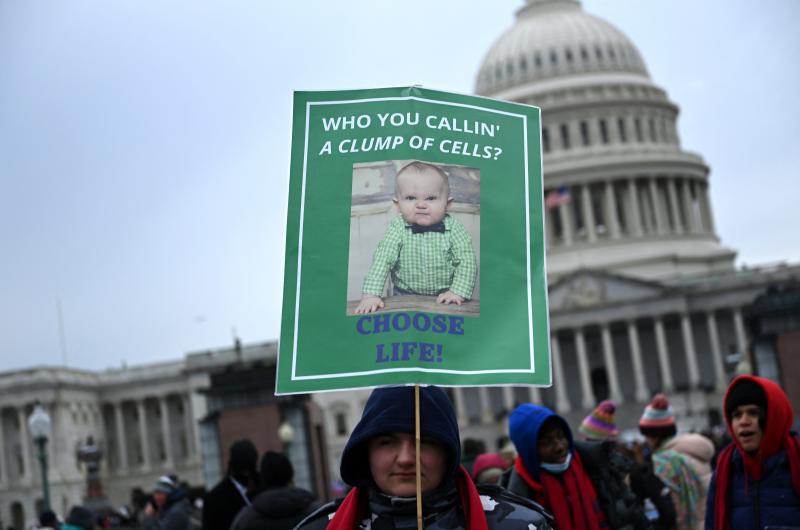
{"points": [[417, 229]]}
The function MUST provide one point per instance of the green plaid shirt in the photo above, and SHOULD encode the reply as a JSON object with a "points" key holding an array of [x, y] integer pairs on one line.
{"points": [[429, 263]]}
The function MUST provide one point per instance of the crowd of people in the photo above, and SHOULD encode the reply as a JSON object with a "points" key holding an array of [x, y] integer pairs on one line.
{"points": [[550, 478]]}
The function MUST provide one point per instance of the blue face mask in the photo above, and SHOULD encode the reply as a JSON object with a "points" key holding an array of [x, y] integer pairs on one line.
{"points": [[557, 468]]}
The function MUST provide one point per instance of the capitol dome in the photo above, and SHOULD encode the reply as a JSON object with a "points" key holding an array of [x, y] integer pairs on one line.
{"points": [[555, 38], [629, 198]]}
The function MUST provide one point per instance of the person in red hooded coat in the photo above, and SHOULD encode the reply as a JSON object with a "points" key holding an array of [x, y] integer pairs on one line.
{"points": [[756, 484]]}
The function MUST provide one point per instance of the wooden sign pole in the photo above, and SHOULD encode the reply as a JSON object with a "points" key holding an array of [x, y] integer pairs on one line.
{"points": [[417, 457]]}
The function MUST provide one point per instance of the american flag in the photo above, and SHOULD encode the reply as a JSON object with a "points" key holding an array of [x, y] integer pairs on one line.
{"points": [[556, 197]]}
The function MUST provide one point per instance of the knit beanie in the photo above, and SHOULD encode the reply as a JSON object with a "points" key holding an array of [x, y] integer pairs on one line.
{"points": [[658, 419], [600, 424], [747, 392], [165, 484], [276, 470], [81, 517]]}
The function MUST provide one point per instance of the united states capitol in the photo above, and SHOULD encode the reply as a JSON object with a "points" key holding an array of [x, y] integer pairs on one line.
{"points": [[644, 297]]}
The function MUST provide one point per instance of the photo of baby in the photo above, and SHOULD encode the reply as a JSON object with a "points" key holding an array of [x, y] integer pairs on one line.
{"points": [[415, 230]]}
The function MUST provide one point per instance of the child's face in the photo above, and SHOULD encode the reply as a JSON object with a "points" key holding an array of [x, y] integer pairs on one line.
{"points": [[745, 427], [421, 197]]}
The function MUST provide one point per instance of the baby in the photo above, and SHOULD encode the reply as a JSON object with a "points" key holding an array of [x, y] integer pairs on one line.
{"points": [[426, 251]]}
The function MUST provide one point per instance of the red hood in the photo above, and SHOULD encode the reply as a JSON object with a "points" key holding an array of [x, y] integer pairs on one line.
{"points": [[776, 430]]}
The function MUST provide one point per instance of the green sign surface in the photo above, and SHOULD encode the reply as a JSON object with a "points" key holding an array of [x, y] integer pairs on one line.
{"points": [[414, 244]]}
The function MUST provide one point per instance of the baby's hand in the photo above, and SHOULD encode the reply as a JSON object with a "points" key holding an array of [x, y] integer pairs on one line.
{"points": [[449, 297], [369, 304]]}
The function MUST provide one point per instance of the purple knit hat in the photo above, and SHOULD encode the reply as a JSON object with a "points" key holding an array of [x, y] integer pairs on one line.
{"points": [[600, 424]]}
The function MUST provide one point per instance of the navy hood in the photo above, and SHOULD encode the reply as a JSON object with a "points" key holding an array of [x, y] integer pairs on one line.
{"points": [[524, 426], [391, 409]]}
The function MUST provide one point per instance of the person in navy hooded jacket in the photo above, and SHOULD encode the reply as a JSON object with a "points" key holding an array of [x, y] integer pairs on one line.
{"points": [[756, 484], [550, 471], [379, 463]]}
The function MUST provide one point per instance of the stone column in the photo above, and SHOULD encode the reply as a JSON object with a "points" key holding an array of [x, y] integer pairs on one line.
{"points": [[122, 441], [716, 352], [486, 406], [26, 446], [705, 207], [508, 398], [189, 419], [550, 233], [461, 410], [673, 204], [589, 400], [635, 212], [642, 393], [691, 354], [688, 207], [535, 395], [566, 223], [143, 434], [611, 210], [165, 423], [654, 199], [611, 364], [663, 355], [741, 337], [588, 213], [560, 384]]}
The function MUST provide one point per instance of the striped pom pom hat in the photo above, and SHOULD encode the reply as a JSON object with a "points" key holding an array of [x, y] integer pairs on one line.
{"points": [[658, 419], [600, 424]]}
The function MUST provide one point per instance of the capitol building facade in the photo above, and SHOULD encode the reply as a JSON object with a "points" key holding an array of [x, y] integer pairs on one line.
{"points": [[644, 297]]}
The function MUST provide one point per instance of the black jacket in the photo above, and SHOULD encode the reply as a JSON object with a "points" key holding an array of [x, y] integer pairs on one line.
{"points": [[221, 504], [276, 509]]}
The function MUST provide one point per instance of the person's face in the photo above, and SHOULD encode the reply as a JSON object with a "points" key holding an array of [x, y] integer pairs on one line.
{"points": [[553, 446], [392, 463], [421, 196], [745, 427], [160, 498]]}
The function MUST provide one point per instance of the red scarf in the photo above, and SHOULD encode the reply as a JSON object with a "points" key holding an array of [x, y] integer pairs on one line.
{"points": [[775, 437], [354, 506], [571, 499]]}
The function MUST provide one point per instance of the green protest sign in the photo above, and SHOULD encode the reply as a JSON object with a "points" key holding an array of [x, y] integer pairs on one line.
{"points": [[414, 244]]}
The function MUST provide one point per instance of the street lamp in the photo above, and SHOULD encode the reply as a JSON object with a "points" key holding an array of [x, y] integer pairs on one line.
{"points": [[286, 433], [39, 423]]}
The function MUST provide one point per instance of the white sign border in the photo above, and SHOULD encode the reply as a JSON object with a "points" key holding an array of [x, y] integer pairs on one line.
{"points": [[294, 376]]}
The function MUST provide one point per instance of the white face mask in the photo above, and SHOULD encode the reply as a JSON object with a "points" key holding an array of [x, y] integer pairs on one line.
{"points": [[557, 468]]}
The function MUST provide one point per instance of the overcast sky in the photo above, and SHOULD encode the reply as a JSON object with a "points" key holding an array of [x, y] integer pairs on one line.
{"points": [[144, 146]]}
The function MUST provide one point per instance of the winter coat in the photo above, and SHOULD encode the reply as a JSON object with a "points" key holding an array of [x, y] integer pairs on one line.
{"points": [[757, 504], [441, 511], [174, 515], [649, 488], [607, 500], [454, 504], [276, 509], [761, 490], [221, 504], [698, 452]]}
